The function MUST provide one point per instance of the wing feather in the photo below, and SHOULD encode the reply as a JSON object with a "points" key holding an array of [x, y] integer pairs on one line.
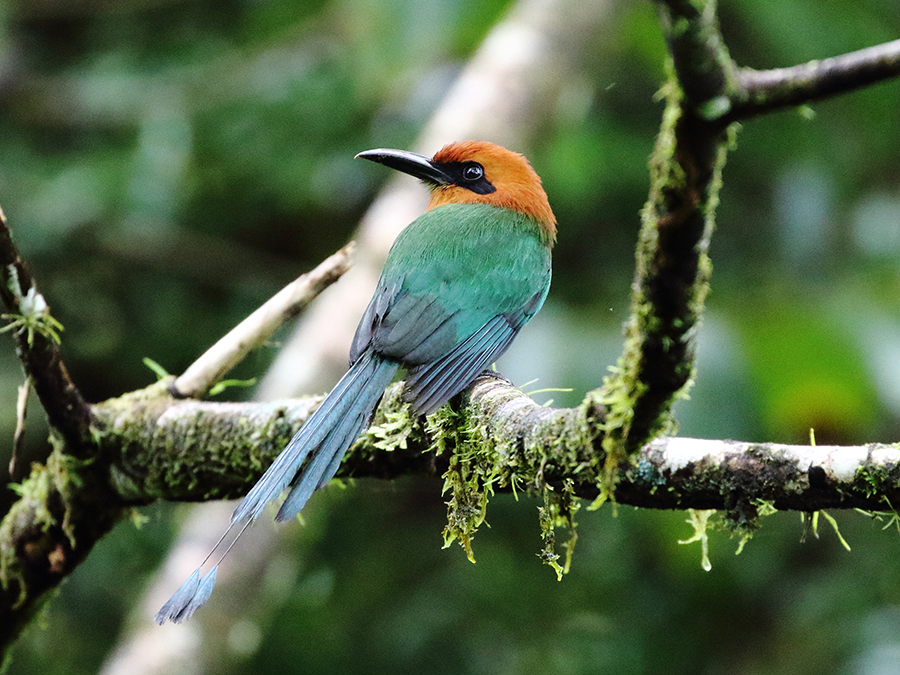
{"points": [[458, 285], [431, 385]]}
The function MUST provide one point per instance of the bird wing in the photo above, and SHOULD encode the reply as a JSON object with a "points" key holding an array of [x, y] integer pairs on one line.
{"points": [[458, 285], [430, 385]]}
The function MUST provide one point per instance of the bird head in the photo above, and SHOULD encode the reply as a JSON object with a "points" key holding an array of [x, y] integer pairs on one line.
{"points": [[475, 172]]}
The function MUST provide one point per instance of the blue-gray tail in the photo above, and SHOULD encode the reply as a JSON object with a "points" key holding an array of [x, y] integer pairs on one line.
{"points": [[308, 462], [324, 439]]}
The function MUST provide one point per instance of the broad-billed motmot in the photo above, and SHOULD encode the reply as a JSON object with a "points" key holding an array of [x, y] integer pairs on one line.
{"points": [[457, 286]]}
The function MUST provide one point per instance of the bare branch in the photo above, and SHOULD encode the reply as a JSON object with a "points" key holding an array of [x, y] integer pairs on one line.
{"points": [[259, 326], [762, 91]]}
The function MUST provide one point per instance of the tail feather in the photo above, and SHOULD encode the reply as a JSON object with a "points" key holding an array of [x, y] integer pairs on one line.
{"points": [[327, 459], [327, 434], [335, 464]]}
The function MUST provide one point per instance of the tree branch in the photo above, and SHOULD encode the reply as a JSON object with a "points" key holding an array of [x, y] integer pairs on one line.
{"points": [[253, 331], [37, 344], [197, 451], [672, 266], [63, 508], [762, 91]]}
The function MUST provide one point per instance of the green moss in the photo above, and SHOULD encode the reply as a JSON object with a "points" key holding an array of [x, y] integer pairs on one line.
{"points": [[879, 478], [542, 463], [393, 428], [699, 520], [33, 494], [559, 510], [471, 476]]}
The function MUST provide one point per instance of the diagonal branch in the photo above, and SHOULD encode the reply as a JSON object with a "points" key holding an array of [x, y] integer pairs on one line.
{"points": [[37, 344], [253, 331]]}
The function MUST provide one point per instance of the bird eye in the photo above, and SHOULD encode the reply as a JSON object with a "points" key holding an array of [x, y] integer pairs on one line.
{"points": [[473, 172]]}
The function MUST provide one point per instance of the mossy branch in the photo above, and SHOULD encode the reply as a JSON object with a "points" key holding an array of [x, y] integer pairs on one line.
{"points": [[63, 508], [158, 447], [672, 264], [705, 94]]}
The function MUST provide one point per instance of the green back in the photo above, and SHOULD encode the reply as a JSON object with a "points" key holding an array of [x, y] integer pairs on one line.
{"points": [[450, 272]]}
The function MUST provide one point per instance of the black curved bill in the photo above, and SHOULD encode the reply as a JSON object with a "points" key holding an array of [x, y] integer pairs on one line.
{"points": [[409, 162]]}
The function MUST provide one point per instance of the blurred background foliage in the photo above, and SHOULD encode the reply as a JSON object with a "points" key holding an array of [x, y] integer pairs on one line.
{"points": [[166, 165]]}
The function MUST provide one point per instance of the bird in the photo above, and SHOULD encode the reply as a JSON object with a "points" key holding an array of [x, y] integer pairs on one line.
{"points": [[457, 286]]}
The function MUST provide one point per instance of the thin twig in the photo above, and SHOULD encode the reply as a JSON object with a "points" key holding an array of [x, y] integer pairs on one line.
{"points": [[19, 434], [259, 326]]}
